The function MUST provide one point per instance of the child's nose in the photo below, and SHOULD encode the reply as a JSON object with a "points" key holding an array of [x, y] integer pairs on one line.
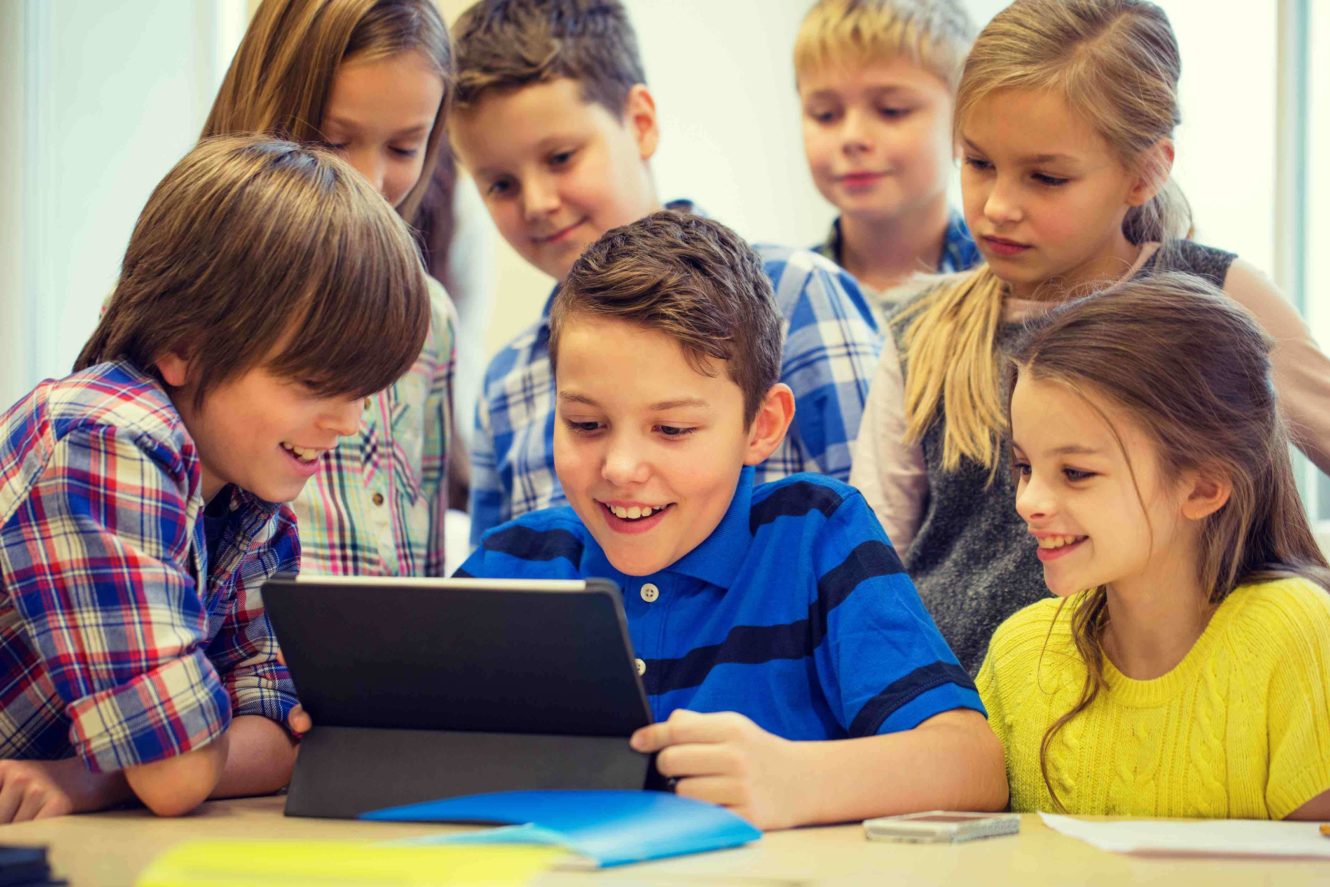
{"points": [[1002, 204], [1033, 499], [369, 164], [343, 417], [540, 197], [624, 465], [854, 131]]}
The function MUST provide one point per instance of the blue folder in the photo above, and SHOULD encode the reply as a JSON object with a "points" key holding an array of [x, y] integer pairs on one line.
{"points": [[609, 827]]}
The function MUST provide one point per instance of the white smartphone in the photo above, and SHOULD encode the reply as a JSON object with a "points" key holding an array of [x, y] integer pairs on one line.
{"points": [[941, 826]]}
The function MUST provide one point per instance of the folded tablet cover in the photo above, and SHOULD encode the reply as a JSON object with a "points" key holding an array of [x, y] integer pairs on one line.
{"points": [[609, 827]]}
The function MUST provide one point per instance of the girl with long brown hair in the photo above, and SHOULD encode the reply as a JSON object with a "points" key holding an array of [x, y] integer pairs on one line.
{"points": [[1064, 116], [1184, 668], [370, 79]]}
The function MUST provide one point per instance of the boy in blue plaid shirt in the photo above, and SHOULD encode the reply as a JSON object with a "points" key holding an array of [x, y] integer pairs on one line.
{"points": [[554, 122], [139, 497]]}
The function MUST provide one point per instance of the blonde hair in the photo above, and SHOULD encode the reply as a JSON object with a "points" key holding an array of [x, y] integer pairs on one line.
{"points": [[281, 77], [1192, 368], [1116, 64], [252, 246], [932, 34]]}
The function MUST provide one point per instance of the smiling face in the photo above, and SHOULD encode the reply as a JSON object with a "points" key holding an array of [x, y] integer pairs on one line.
{"points": [[648, 449], [1044, 194], [877, 137], [1098, 517], [557, 171], [261, 432], [379, 116]]}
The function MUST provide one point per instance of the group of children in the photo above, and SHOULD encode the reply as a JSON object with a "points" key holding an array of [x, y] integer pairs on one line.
{"points": [[1097, 408]]}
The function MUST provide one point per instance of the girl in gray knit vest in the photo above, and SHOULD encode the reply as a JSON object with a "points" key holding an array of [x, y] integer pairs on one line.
{"points": [[1064, 117]]}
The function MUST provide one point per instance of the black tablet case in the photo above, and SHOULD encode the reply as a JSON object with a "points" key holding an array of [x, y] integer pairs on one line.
{"points": [[425, 689]]}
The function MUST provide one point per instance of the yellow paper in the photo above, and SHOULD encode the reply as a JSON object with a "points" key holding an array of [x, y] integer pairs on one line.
{"points": [[221, 862]]}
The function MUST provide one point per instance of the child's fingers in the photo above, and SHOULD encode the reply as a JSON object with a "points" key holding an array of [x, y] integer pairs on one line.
{"points": [[11, 795], [299, 721], [698, 759], [31, 804], [685, 726], [722, 790]]}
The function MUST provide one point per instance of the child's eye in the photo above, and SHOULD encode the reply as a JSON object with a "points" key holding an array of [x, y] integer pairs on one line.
{"points": [[404, 152], [1052, 181], [823, 116], [978, 163], [499, 188], [674, 430], [561, 158], [582, 427], [335, 146], [1075, 474], [894, 113], [1021, 469]]}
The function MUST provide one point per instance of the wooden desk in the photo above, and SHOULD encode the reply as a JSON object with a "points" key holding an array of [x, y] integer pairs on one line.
{"points": [[112, 848]]}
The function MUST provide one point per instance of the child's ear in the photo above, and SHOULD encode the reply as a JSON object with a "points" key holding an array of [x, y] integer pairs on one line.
{"points": [[1155, 167], [639, 115], [1208, 491], [174, 367], [770, 424]]}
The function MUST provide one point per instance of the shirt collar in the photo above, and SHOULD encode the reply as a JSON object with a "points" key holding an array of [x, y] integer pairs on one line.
{"points": [[718, 558]]}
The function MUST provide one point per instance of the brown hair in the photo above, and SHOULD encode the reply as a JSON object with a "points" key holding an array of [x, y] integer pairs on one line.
{"points": [[1192, 367], [690, 278], [252, 245], [503, 45], [1116, 63], [282, 74], [931, 34]]}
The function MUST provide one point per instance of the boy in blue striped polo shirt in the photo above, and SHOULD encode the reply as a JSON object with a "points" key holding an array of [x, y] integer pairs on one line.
{"points": [[554, 121], [768, 618]]}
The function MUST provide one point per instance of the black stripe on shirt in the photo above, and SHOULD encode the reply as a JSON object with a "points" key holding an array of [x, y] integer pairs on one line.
{"points": [[794, 500], [868, 559], [755, 644], [903, 690], [744, 645], [536, 545]]}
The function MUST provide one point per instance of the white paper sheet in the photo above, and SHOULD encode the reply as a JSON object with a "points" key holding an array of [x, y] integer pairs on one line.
{"points": [[1215, 837]]}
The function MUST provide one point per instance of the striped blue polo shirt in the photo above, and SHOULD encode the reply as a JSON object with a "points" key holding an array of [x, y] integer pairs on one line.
{"points": [[795, 612]]}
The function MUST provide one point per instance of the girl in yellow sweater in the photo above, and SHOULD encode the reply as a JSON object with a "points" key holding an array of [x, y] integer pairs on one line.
{"points": [[1183, 668]]}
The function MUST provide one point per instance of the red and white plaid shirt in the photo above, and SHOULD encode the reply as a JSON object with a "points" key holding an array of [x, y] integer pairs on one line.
{"points": [[119, 642]]}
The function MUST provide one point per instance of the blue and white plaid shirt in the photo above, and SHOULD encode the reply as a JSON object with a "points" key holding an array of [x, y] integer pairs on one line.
{"points": [[830, 353]]}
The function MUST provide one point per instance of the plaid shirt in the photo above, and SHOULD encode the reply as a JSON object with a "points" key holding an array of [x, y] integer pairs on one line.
{"points": [[120, 642], [378, 505], [830, 353]]}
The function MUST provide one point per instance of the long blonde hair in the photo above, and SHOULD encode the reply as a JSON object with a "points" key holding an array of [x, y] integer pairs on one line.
{"points": [[1192, 368], [1116, 64], [282, 74]]}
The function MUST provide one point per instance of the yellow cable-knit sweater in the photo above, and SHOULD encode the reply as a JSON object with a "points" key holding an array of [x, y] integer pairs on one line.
{"points": [[1239, 729]]}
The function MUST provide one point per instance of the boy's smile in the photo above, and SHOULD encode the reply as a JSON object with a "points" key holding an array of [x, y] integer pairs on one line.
{"points": [[263, 433], [556, 171], [648, 449]]}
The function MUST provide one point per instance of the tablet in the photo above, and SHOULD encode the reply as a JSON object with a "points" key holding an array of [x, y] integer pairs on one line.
{"points": [[427, 688]]}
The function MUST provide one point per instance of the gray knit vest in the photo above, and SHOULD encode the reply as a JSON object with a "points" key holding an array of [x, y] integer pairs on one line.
{"points": [[972, 559]]}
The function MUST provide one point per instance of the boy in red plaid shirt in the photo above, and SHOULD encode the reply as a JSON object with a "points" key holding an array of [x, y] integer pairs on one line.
{"points": [[265, 292]]}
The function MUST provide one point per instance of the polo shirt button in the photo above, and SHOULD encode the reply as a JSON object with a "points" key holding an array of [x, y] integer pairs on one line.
{"points": [[650, 592], [377, 498], [641, 666]]}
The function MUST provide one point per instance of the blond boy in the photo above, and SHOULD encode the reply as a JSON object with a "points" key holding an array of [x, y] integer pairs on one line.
{"points": [[877, 81]]}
